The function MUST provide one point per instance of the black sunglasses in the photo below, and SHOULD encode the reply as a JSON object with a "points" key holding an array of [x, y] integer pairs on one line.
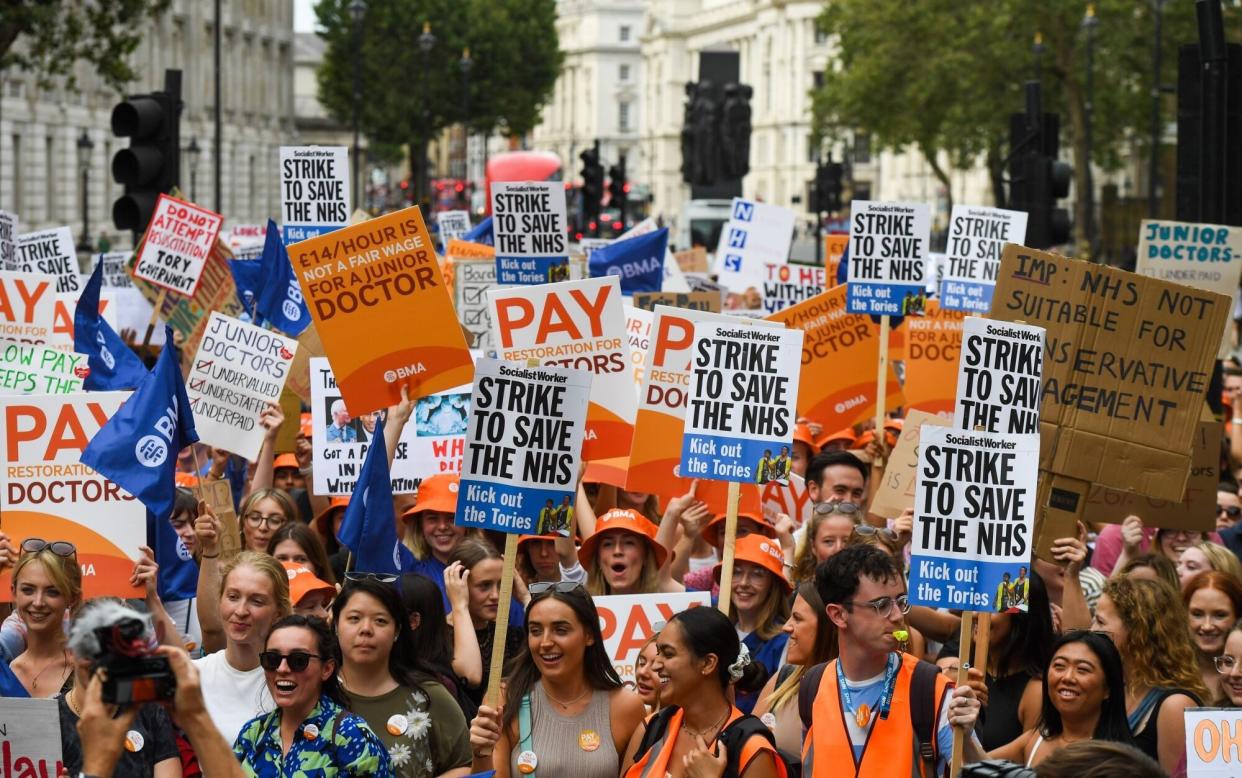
{"points": [[298, 660], [1231, 511], [58, 547], [543, 587], [383, 578]]}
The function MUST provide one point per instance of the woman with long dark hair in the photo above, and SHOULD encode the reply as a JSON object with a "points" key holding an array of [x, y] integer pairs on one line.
{"points": [[1084, 697], [565, 711], [430, 638], [386, 683], [294, 541], [310, 727]]}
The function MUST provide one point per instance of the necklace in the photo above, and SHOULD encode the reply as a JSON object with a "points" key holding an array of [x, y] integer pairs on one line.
{"points": [[34, 682], [565, 705], [71, 697], [714, 729]]}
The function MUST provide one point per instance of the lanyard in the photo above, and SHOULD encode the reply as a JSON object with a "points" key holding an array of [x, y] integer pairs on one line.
{"points": [[886, 699]]}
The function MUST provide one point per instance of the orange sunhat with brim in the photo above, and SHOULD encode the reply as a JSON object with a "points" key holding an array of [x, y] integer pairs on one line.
{"points": [[437, 493], [286, 460], [303, 581], [762, 551], [531, 538], [321, 521], [802, 434], [188, 480], [708, 533], [847, 435], [621, 520]]}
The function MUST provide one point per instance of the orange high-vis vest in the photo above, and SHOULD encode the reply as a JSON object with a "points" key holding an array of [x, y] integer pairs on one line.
{"points": [[654, 763], [890, 750]]}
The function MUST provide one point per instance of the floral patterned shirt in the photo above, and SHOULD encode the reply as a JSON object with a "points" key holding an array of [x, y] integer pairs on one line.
{"points": [[333, 742]]}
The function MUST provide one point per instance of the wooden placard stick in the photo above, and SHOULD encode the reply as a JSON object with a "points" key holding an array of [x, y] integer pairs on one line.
{"points": [[730, 537], [963, 670], [496, 667]]}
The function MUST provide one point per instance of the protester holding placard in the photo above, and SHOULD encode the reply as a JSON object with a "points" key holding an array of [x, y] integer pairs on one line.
{"points": [[47, 588], [472, 581], [749, 522], [387, 684], [560, 684], [1147, 623]]}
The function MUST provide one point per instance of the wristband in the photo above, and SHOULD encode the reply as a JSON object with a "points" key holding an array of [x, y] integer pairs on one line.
{"points": [[306, 471], [209, 556]]}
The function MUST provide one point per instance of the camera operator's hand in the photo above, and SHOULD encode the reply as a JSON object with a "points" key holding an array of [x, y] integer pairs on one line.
{"points": [[207, 531], [102, 736]]}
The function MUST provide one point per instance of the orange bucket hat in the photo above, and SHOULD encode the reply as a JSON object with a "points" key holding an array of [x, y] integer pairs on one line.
{"points": [[437, 493], [622, 520], [761, 551], [303, 581]]}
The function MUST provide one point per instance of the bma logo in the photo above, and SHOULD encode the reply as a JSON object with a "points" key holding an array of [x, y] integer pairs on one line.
{"points": [[104, 354], [743, 211], [183, 553], [405, 371], [151, 451], [733, 262], [292, 306], [396, 555], [737, 238]]}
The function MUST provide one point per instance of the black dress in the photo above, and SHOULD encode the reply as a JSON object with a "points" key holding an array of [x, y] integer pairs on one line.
{"points": [[999, 723]]}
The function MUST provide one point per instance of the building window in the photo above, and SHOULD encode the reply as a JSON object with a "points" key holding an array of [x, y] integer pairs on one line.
{"points": [[49, 179], [624, 33], [862, 147], [821, 37], [623, 73], [623, 116], [817, 79]]}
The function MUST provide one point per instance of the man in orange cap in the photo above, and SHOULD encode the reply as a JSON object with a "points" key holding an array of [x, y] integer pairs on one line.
{"points": [[287, 473]]}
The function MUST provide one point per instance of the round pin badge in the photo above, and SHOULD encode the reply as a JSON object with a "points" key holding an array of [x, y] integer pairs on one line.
{"points": [[310, 732], [398, 724], [527, 762], [769, 720], [134, 741], [588, 740]]}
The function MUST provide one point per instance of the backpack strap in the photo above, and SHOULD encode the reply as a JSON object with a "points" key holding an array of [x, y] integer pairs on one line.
{"points": [[657, 725], [925, 710], [734, 738], [524, 728], [808, 687]]}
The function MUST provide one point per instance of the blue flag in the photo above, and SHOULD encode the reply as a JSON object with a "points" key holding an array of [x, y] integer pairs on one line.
{"points": [[138, 446], [247, 277], [178, 575], [369, 527], [638, 261], [113, 364], [280, 300], [481, 233]]}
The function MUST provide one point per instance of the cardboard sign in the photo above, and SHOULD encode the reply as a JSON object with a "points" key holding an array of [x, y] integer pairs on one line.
{"points": [[176, 246], [27, 307], [692, 260], [464, 249], [977, 236], [756, 234], [790, 498], [432, 442], [974, 517], [452, 225], [638, 333], [934, 342], [1204, 256], [244, 237], [1197, 508], [839, 354], [695, 301], [381, 308], [219, 497], [314, 190], [628, 620], [580, 325], [787, 285], [472, 278], [888, 249], [51, 252], [49, 493], [28, 369], [309, 346], [896, 491], [62, 317], [1213, 747], [30, 736], [531, 232], [238, 370], [1127, 363], [740, 418], [116, 269], [998, 380], [291, 407], [8, 239], [523, 448]]}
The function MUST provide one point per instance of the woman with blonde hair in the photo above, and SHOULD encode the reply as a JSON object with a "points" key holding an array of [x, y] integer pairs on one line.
{"points": [[47, 586], [1207, 556], [759, 605], [622, 556], [826, 533], [1147, 623]]}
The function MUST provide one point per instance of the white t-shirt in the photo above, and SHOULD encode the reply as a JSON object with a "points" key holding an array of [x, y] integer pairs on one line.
{"points": [[184, 613], [233, 697]]}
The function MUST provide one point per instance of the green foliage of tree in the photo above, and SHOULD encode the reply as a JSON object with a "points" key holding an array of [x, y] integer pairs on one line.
{"points": [[408, 97], [48, 37], [944, 76]]}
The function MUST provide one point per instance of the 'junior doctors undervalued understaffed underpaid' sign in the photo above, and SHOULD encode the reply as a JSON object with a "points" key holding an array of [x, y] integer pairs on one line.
{"points": [[743, 388]]}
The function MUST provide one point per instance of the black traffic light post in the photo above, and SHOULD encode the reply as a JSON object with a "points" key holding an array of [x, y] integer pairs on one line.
{"points": [[592, 189], [826, 196], [1037, 179], [152, 163], [618, 197]]}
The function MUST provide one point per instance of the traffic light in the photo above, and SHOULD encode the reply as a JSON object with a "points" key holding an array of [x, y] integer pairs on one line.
{"points": [[828, 186], [152, 163], [1037, 179], [618, 189], [592, 186]]}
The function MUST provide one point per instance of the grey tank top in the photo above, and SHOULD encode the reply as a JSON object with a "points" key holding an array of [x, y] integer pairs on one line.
{"points": [[558, 740]]}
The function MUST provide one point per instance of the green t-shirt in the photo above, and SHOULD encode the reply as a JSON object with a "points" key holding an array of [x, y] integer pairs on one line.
{"points": [[430, 730]]}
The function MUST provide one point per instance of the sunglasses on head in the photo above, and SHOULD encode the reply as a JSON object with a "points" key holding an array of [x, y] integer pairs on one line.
{"points": [[384, 578], [835, 506], [298, 660], [58, 547], [868, 530], [543, 587]]}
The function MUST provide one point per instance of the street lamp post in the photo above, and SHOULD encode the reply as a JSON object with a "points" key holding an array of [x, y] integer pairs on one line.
{"points": [[426, 42], [192, 151], [1089, 23], [85, 144], [1153, 203], [1037, 48], [357, 10], [465, 65]]}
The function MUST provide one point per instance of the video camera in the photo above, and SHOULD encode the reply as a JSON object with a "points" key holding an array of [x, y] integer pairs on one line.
{"points": [[118, 640]]}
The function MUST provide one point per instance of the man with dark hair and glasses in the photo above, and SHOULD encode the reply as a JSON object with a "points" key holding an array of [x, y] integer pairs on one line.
{"points": [[850, 728]]}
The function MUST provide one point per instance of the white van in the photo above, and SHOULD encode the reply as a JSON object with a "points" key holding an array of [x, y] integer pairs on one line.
{"points": [[700, 223]]}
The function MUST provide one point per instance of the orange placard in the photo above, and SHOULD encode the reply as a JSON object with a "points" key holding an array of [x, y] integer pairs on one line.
{"points": [[382, 310], [464, 249], [935, 340], [834, 248], [839, 356]]}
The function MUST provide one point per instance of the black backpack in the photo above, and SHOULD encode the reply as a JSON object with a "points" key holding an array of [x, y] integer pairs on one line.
{"points": [[732, 737], [923, 708]]}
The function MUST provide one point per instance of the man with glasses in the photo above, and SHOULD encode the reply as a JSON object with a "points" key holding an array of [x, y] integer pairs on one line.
{"points": [[874, 708]]}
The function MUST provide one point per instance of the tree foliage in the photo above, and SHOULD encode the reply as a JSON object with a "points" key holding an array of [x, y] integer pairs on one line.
{"points": [[408, 96], [944, 75], [48, 37]]}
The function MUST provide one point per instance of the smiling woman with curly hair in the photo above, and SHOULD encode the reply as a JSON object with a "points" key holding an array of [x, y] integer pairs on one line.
{"points": [[1147, 622]]}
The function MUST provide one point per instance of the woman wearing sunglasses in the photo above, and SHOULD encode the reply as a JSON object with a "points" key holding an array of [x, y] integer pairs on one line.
{"points": [[47, 586], [565, 711], [310, 732], [387, 684]]}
